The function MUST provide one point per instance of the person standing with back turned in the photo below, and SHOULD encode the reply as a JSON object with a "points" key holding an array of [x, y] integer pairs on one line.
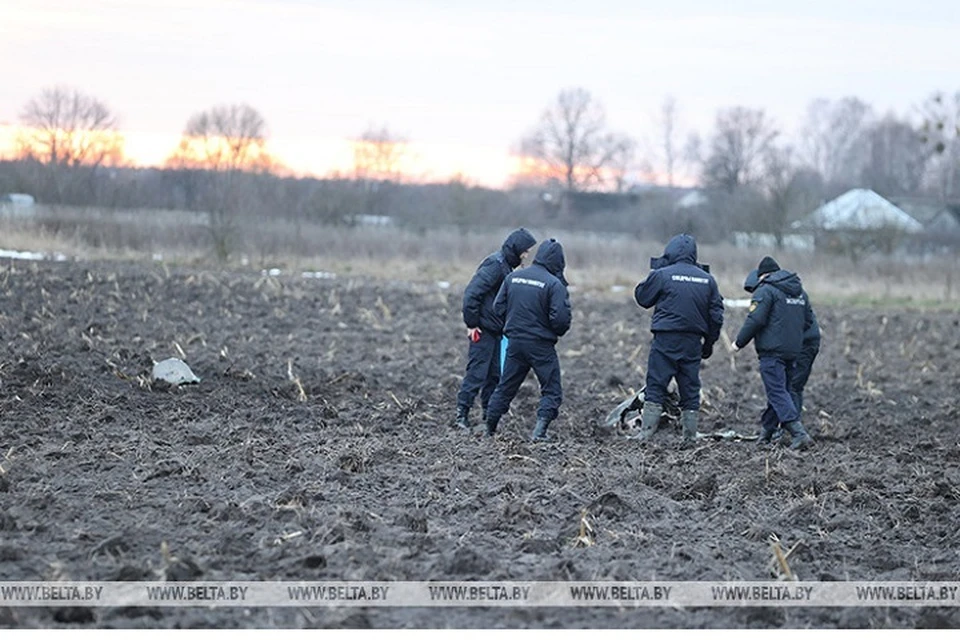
{"points": [[535, 306], [687, 318], [484, 328], [779, 313], [802, 368]]}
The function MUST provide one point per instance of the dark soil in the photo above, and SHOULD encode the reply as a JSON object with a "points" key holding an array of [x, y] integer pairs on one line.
{"points": [[102, 470]]}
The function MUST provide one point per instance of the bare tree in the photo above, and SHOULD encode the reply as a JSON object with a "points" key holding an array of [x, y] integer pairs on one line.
{"points": [[70, 134], [833, 139], [897, 158], [379, 155], [736, 149], [669, 150], [217, 148], [224, 139], [572, 144], [789, 190], [940, 132]]}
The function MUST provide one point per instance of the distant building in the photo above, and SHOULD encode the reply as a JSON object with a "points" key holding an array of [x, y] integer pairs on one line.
{"points": [[16, 205], [792, 241], [939, 220], [860, 222], [859, 210]]}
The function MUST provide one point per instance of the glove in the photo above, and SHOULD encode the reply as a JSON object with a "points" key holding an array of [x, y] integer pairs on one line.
{"points": [[707, 350], [473, 334]]}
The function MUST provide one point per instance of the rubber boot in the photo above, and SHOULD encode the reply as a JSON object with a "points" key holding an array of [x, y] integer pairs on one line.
{"points": [[766, 436], [688, 419], [800, 438], [649, 419], [540, 431], [463, 418]]}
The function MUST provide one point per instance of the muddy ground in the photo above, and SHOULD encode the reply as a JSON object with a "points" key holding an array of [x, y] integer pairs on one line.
{"points": [[366, 480]]}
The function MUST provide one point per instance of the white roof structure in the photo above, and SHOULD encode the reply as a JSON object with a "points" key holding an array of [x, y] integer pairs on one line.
{"points": [[859, 209]]}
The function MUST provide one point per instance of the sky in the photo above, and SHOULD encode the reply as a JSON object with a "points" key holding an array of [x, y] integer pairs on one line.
{"points": [[464, 80]]}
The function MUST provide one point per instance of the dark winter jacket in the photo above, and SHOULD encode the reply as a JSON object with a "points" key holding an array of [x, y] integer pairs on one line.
{"points": [[482, 290], [533, 303], [811, 332], [780, 317], [686, 298]]}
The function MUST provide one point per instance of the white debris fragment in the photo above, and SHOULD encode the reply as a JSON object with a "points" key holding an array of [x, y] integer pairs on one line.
{"points": [[271, 272], [31, 255], [174, 371], [320, 275], [443, 284]]}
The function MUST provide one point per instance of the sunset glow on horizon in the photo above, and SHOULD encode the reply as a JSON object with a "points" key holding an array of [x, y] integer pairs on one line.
{"points": [[330, 157]]}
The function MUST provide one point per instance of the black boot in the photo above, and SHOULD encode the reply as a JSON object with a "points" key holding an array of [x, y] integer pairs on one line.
{"points": [[492, 427], [766, 436], [540, 431], [799, 436], [688, 420], [463, 418]]}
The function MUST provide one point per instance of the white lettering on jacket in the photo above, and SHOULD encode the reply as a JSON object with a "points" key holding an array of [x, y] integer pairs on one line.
{"points": [[680, 278], [533, 283], [795, 301]]}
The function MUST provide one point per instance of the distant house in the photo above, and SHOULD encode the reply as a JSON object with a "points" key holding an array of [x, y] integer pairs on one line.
{"points": [[756, 240], [946, 223], [939, 220], [16, 205], [691, 200], [858, 222], [859, 210]]}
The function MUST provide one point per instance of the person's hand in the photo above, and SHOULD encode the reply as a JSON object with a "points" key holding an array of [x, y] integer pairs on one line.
{"points": [[734, 348], [706, 351], [474, 334]]}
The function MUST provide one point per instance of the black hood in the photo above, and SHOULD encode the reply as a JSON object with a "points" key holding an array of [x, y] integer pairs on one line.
{"points": [[681, 248], [517, 242], [786, 281], [550, 257], [751, 281]]}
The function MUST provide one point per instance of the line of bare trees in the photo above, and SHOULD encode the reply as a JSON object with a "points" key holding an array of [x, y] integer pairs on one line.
{"points": [[70, 150]]}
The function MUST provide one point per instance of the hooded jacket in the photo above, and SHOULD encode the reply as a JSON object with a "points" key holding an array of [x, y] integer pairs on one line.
{"points": [[779, 316], [686, 298], [811, 332], [482, 289], [533, 303]]}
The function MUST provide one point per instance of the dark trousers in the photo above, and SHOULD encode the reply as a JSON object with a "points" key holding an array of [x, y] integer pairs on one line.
{"points": [[777, 375], [801, 373], [674, 355], [523, 355], [483, 371], [798, 380]]}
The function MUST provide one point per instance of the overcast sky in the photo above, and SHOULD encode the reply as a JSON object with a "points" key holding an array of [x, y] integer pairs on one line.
{"points": [[464, 80]]}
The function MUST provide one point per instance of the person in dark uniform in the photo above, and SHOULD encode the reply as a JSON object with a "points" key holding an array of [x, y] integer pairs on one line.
{"points": [[779, 314], [802, 367], [687, 318], [534, 306], [484, 328]]}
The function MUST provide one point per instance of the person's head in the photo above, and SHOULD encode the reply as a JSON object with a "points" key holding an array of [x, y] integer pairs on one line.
{"points": [[681, 248], [767, 266], [550, 256], [517, 246]]}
